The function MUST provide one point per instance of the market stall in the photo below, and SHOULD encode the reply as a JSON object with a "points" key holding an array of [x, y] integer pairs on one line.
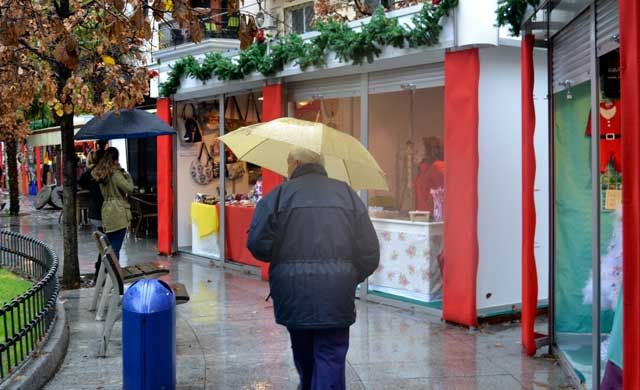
{"points": [[200, 165], [593, 98], [429, 117]]}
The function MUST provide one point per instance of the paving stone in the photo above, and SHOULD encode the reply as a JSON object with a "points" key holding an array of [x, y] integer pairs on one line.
{"points": [[226, 337]]}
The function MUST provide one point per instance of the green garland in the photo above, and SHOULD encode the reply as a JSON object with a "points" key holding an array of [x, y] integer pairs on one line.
{"points": [[334, 37], [512, 12]]}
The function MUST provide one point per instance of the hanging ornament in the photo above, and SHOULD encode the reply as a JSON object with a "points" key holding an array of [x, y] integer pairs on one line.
{"points": [[260, 37], [435, 2]]}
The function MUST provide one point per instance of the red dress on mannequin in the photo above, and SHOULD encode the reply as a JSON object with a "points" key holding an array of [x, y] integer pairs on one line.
{"points": [[430, 176]]}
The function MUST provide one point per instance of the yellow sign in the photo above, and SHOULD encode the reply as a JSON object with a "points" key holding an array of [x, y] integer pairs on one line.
{"points": [[612, 199]]}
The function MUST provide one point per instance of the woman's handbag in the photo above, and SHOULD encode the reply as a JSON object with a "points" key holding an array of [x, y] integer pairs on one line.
{"points": [[191, 131], [204, 173]]}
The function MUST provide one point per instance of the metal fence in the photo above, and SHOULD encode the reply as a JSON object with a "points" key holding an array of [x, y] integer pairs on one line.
{"points": [[27, 318]]}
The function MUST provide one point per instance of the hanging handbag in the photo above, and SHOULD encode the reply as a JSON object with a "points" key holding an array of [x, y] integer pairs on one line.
{"points": [[252, 99], [204, 173], [235, 170], [191, 130]]}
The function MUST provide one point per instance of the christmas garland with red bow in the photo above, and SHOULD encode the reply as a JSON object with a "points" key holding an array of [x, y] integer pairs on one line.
{"points": [[335, 37]]}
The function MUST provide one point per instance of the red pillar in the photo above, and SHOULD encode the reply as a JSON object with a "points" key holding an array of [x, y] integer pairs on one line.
{"points": [[165, 181], [38, 167], [2, 164], [462, 76], [629, 12], [272, 103], [25, 176], [529, 272], [271, 109]]}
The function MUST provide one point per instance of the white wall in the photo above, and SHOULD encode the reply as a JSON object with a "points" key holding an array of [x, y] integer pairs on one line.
{"points": [[475, 23], [121, 145], [499, 178], [541, 196]]}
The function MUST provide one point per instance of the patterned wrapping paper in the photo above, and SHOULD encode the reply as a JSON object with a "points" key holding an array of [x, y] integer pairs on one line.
{"points": [[408, 264]]}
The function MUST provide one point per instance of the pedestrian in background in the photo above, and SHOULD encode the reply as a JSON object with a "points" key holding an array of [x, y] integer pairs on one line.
{"points": [[321, 244], [115, 185], [87, 182]]}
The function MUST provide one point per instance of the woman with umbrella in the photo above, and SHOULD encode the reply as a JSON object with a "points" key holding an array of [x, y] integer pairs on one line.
{"points": [[115, 184]]}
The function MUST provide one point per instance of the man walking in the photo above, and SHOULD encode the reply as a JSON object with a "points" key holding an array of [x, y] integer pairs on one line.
{"points": [[318, 237]]}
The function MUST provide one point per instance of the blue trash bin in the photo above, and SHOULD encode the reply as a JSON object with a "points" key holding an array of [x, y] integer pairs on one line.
{"points": [[149, 336]]}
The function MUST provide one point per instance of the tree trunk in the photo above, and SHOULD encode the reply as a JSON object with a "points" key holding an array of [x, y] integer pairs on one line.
{"points": [[71, 268], [12, 175]]}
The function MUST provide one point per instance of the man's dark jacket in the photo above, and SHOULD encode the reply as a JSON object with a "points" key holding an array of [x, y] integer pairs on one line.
{"points": [[317, 234], [87, 182]]}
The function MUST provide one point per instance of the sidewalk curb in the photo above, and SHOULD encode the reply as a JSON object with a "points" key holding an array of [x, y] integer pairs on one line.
{"points": [[37, 371]]}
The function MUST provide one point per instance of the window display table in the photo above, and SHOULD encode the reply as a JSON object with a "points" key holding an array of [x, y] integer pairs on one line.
{"points": [[237, 224], [204, 230], [408, 259]]}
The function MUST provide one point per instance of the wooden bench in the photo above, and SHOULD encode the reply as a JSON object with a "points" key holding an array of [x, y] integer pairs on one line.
{"points": [[129, 274], [115, 289]]}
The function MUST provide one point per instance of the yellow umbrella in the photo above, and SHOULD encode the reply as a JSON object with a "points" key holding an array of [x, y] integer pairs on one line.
{"points": [[268, 145]]}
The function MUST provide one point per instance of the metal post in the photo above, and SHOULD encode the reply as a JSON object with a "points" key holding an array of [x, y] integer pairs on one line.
{"points": [[364, 139], [552, 197], [595, 188], [222, 181]]}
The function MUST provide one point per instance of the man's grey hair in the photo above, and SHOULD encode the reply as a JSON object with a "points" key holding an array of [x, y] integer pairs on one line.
{"points": [[305, 156]]}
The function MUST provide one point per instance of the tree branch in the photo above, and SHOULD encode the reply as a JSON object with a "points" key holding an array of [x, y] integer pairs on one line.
{"points": [[43, 57]]}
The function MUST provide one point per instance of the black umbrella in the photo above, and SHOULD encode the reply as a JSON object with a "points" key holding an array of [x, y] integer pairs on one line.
{"points": [[128, 124]]}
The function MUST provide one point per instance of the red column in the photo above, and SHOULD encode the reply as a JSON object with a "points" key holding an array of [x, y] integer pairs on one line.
{"points": [[271, 109], [39, 167], [165, 181], [630, 94], [529, 272], [462, 76], [272, 105], [2, 164], [25, 176]]}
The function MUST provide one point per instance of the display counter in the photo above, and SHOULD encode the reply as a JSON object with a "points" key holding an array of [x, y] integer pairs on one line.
{"points": [[408, 259], [204, 230], [237, 224]]}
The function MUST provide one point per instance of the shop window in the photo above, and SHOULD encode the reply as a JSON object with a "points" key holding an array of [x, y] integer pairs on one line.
{"points": [[301, 18], [573, 319], [240, 183], [341, 114], [406, 138]]}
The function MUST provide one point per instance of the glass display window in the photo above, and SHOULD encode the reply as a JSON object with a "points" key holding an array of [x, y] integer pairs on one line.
{"points": [[406, 138]]}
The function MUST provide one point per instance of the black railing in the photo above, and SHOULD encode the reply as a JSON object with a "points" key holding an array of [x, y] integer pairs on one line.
{"points": [[219, 26], [26, 319]]}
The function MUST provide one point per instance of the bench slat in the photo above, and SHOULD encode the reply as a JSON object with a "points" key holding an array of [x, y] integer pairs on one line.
{"points": [[149, 268], [131, 273], [180, 291]]}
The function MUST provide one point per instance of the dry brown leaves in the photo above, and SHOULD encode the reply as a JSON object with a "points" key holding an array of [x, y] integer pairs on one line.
{"points": [[87, 60]]}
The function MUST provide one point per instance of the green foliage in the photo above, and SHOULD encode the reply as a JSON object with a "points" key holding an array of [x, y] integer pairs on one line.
{"points": [[512, 12], [11, 286], [334, 37]]}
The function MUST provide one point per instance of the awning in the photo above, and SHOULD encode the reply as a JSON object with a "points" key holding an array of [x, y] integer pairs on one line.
{"points": [[47, 137], [51, 135]]}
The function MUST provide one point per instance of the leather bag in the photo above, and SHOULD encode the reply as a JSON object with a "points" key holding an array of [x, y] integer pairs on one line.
{"points": [[203, 173]]}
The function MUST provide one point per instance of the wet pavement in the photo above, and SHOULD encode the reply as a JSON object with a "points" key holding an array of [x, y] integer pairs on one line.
{"points": [[227, 338]]}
